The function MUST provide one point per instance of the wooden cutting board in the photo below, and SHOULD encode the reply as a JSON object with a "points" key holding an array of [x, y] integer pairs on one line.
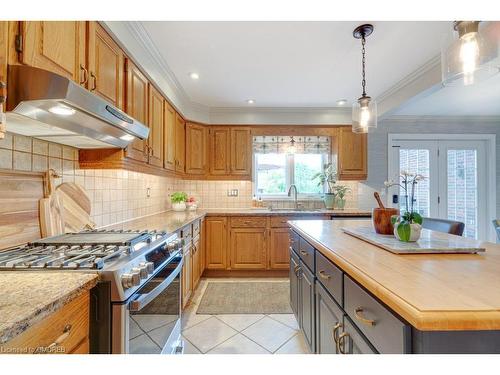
{"points": [[20, 193], [51, 211], [76, 207]]}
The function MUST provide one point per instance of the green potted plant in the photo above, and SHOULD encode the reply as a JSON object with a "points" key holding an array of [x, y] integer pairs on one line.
{"points": [[408, 225], [340, 192], [328, 178], [178, 200]]}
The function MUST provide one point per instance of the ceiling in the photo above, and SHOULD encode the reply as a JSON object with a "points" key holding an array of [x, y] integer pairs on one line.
{"points": [[289, 64]]}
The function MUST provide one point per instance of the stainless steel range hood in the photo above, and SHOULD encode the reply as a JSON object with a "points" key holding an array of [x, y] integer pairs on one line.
{"points": [[48, 106]]}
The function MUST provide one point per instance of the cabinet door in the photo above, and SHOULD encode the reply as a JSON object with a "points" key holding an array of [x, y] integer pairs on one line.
{"points": [[306, 305], [241, 152], [180, 143], [105, 65], [351, 341], [169, 137], [328, 322], [155, 140], [58, 46], [248, 248], [136, 106], [187, 274], [4, 48], [196, 149], [219, 151], [294, 283], [279, 253], [216, 243], [196, 261], [352, 155]]}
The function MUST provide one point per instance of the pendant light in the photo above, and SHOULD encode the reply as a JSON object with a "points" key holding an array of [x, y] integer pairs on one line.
{"points": [[364, 111], [468, 57]]}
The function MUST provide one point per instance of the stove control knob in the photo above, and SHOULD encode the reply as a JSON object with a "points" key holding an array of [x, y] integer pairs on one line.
{"points": [[130, 279], [150, 266], [172, 246], [136, 276], [143, 270]]}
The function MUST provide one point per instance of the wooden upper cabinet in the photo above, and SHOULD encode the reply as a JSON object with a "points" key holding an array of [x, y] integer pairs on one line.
{"points": [[136, 106], [180, 143], [220, 142], [196, 149], [58, 46], [216, 242], [241, 151], [155, 122], [4, 49], [352, 155], [105, 65], [169, 139]]}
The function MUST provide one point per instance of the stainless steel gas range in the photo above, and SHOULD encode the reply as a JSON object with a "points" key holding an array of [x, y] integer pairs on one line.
{"points": [[136, 306]]}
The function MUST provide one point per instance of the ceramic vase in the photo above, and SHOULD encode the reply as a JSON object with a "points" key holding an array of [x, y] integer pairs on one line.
{"points": [[340, 203], [329, 201], [179, 206]]}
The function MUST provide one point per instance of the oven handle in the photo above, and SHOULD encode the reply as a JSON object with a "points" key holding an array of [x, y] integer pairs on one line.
{"points": [[140, 302]]}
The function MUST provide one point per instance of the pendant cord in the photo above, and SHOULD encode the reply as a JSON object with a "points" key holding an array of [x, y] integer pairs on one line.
{"points": [[363, 82]]}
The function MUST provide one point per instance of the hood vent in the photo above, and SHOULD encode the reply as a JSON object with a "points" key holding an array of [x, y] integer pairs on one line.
{"points": [[48, 106]]}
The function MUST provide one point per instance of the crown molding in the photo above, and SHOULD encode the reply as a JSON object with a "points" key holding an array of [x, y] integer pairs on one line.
{"points": [[441, 119]]}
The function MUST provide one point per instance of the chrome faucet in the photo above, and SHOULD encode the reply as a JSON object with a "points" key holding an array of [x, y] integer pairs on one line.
{"points": [[292, 186]]}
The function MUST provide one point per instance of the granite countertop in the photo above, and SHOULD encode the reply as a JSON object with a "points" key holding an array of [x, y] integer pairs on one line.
{"points": [[433, 292], [171, 221], [27, 297]]}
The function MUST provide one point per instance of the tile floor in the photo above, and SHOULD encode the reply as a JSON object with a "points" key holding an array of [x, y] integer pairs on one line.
{"points": [[239, 333]]}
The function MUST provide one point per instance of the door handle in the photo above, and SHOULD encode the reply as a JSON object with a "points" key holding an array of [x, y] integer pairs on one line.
{"points": [[334, 332], [94, 78], [341, 343], [85, 75]]}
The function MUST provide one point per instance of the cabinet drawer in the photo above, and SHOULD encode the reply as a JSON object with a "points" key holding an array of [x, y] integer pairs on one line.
{"points": [[249, 222], [294, 241], [196, 227], [280, 221], [330, 276], [69, 325], [187, 232], [386, 332], [306, 253], [353, 342]]}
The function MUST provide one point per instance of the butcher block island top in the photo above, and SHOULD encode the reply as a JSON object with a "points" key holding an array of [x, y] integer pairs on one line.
{"points": [[433, 292]]}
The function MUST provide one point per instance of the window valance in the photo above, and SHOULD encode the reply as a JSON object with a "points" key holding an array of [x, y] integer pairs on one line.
{"points": [[272, 144]]}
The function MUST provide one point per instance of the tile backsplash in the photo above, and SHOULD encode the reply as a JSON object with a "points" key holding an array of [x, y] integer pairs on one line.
{"points": [[119, 195]]}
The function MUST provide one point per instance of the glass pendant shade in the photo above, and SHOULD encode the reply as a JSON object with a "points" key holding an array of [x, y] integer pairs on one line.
{"points": [[469, 54], [364, 115]]}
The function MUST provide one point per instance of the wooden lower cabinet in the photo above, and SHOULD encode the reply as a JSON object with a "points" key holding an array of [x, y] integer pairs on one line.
{"points": [[248, 248], [279, 252], [216, 243], [197, 258], [65, 331]]}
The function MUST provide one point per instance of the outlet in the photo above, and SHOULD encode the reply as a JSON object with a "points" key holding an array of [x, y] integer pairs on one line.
{"points": [[232, 193], [148, 192]]}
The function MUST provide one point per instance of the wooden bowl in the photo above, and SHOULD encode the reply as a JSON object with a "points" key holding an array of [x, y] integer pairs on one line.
{"points": [[381, 218]]}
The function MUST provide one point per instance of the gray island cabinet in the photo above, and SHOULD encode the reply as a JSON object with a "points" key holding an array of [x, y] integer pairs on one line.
{"points": [[338, 315]]}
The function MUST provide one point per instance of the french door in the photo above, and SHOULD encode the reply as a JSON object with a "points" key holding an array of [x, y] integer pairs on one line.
{"points": [[456, 184]]}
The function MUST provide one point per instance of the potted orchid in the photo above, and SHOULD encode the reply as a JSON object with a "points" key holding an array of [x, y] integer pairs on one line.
{"points": [[328, 178], [408, 225]]}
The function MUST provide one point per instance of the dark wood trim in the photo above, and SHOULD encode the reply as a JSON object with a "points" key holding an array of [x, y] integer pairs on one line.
{"points": [[245, 273]]}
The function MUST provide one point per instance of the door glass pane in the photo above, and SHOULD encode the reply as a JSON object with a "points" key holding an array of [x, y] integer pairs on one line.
{"points": [[416, 161], [306, 166], [271, 173], [462, 189]]}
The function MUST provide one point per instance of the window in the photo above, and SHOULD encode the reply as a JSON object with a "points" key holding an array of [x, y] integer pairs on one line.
{"points": [[274, 173]]}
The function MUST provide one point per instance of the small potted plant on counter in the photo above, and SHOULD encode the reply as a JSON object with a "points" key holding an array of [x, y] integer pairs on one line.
{"points": [[178, 200], [408, 225], [191, 204], [328, 178], [340, 192]]}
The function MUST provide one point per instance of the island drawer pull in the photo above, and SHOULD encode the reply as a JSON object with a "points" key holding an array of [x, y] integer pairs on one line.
{"points": [[323, 275], [341, 343], [361, 318], [304, 252], [335, 330], [62, 338]]}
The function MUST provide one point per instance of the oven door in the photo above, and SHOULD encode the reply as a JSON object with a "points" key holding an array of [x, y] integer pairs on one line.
{"points": [[154, 313]]}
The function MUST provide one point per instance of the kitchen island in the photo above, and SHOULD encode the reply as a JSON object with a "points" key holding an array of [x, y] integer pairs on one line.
{"points": [[421, 303]]}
